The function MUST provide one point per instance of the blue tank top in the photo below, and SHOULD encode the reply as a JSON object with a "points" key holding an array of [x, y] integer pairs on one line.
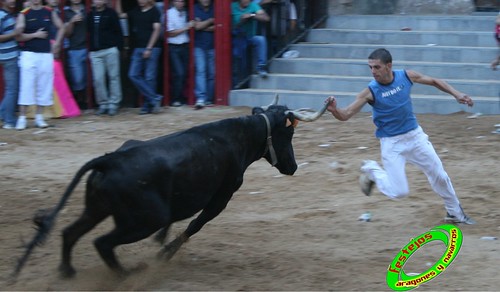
{"points": [[36, 19], [392, 108]]}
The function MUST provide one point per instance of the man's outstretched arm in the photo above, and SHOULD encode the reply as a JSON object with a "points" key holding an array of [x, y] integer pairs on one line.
{"points": [[440, 84]]}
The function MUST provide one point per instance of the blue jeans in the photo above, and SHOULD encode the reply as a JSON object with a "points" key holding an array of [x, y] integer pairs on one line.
{"points": [[11, 91], [179, 61], [77, 66], [205, 74], [143, 73], [259, 44]]}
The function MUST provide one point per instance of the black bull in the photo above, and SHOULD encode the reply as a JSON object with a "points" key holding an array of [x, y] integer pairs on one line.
{"points": [[148, 185]]}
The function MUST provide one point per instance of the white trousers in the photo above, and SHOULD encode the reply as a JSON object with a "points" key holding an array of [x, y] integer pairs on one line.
{"points": [[36, 81], [413, 147]]}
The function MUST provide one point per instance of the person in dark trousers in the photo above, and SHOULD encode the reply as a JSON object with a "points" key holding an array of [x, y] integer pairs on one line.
{"points": [[178, 48], [9, 54], [144, 32], [204, 53], [245, 16], [401, 138], [106, 41], [76, 33]]}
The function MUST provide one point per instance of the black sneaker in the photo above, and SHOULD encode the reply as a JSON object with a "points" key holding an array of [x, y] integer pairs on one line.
{"points": [[101, 111], [112, 112], [453, 219]]}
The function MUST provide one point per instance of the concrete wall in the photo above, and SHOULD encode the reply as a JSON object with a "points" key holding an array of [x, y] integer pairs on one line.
{"points": [[401, 7]]}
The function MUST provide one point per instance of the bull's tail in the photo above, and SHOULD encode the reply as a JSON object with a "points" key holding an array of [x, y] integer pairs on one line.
{"points": [[44, 219]]}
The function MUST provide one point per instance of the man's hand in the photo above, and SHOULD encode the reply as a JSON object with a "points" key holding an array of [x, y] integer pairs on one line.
{"points": [[465, 99], [495, 63], [41, 34], [332, 103]]}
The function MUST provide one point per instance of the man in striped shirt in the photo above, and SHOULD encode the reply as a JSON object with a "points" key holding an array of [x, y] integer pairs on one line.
{"points": [[9, 52]]}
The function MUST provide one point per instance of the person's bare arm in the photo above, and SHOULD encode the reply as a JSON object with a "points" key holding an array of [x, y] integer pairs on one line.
{"points": [[56, 20], [260, 15], [440, 84], [205, 25], [10, 36], [176, 32], [152, 40], [344, 114]]}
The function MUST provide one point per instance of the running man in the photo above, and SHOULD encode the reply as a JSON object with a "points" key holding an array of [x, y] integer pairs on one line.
{"points": [[401, 138]]}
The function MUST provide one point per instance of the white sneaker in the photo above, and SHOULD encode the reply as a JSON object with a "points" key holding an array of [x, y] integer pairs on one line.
{"points": [[39, 122], [199, 105], [453, 219], [368, 165], [366, 184], [21, 123]]}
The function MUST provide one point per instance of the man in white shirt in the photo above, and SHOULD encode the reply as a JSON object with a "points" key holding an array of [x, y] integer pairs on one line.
{"points": [[178, 48]]}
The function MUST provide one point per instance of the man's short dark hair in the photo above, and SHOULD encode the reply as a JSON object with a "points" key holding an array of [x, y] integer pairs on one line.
{"points": [[381, 54]]}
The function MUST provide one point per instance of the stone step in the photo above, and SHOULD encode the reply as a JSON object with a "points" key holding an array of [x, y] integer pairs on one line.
{"points": [[488, 88], [415, 22], [333, 61], [424, 53], [424, 38], [440, 104], [359, 67]]}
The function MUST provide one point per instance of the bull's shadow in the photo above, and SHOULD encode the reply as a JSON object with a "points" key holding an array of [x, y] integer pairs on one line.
{"points": [[148, 185]]}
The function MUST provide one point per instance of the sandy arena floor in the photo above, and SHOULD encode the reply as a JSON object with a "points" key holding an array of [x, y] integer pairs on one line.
{"points": [[277, 233]]}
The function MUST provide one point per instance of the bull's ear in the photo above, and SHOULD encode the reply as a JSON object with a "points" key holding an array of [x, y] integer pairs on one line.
{"points": [[257, 110], [293, 123]]}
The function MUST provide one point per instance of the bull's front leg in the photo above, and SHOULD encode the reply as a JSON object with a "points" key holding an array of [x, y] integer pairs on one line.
{"points": [[210, 212], [168, 251]]}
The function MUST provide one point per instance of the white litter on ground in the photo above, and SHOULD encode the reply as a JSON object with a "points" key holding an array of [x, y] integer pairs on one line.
{"points": [[475, 116]]}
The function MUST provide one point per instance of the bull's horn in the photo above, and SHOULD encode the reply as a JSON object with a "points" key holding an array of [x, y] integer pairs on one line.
{"points": [[275, 102], [308, 115]]}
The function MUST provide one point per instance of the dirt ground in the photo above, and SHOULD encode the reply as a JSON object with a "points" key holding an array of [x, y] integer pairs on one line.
{"points": [[278, 232]]}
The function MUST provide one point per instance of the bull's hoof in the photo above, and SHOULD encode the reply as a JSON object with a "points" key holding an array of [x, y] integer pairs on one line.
{"points": [[124, 273], [66, 272], [166, 253]]}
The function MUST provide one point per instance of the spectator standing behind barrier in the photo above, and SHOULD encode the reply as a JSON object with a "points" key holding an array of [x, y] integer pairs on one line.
{"points": [[144, 31], [36, 60], [178, 48], [245, 15], [9, 53], [76, 32], [106, 41], [204, 53]]}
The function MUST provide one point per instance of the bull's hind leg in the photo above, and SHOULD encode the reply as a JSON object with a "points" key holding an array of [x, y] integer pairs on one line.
{"points": [[120, 235], [72, 234]]}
